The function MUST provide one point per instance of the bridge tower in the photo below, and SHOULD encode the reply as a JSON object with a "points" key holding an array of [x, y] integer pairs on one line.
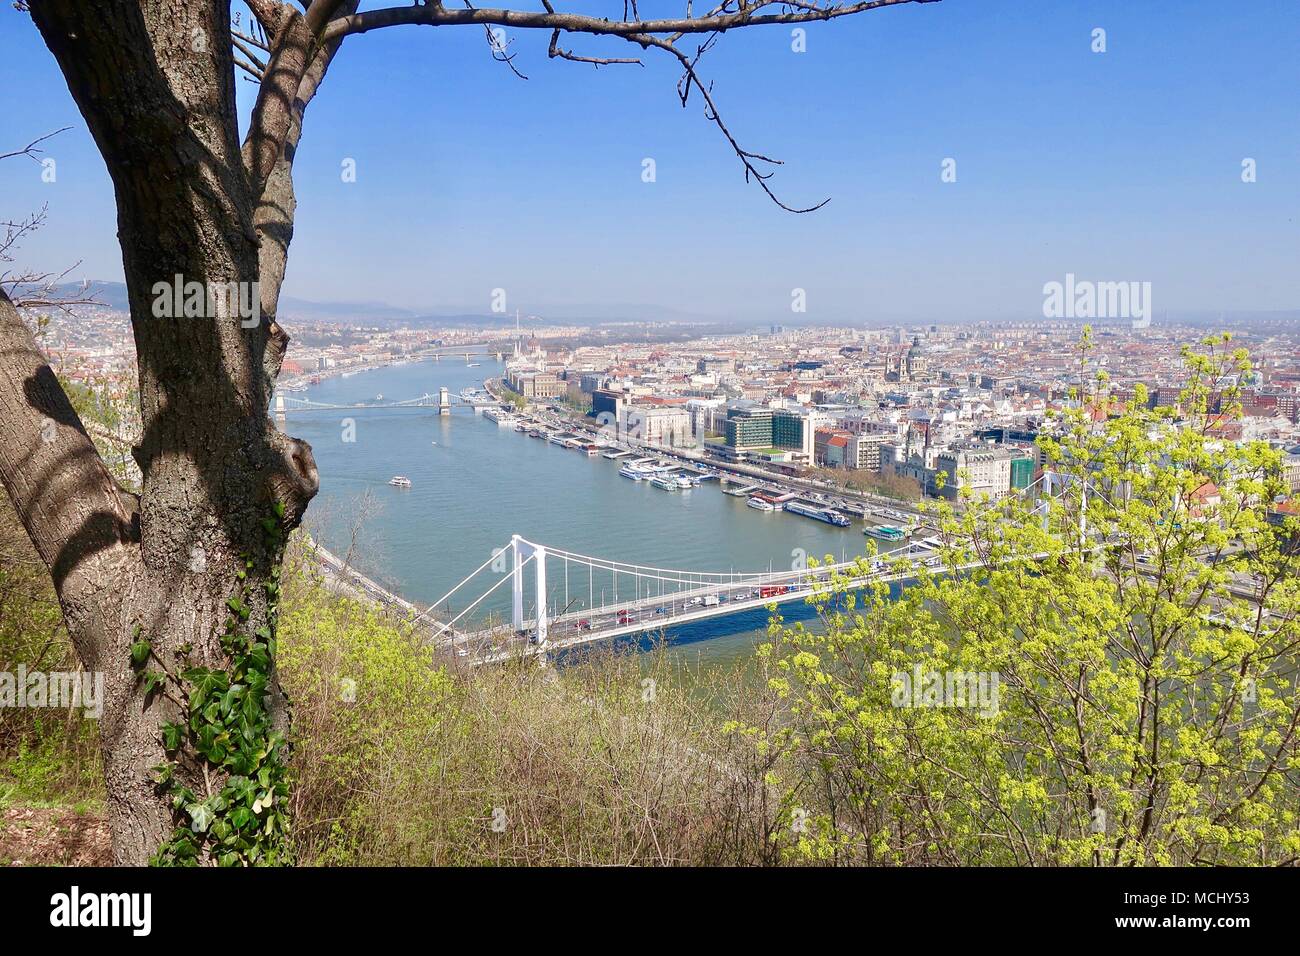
{"points": [[1050, 484], [522, 550], [279, 407], [444, 401], [1047, 499]]}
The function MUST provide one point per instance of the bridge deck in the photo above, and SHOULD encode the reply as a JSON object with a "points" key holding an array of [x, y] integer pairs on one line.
{"points": [[655, 613]]}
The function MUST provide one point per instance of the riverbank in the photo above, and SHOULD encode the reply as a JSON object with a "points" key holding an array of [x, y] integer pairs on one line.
{"points": [[475, 485], [777, 483]]}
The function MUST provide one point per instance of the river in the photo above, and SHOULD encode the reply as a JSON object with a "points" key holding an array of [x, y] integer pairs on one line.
{"points": [[474, 485]]}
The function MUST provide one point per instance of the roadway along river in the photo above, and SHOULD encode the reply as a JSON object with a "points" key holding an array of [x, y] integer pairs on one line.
{"points": [[474, 484]]}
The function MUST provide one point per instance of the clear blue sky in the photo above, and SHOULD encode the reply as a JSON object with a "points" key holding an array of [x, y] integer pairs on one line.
{"points": [[1117, 166]]}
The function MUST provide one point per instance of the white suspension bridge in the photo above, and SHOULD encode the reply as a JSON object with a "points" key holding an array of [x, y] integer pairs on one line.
{"points": [[443, 402], [560, 599], [585, 598]]}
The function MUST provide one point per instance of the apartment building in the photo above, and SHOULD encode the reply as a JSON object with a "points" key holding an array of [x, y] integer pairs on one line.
{"points": [[707, 416], [535, 385], [668, 425], [981, 470], [864, 450]]}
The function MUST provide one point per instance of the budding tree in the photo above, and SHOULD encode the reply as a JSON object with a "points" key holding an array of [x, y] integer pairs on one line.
{"points": [[172, 592]]}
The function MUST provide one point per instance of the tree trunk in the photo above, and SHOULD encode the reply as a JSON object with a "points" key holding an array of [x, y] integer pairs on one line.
{"points": [[155, 84]]}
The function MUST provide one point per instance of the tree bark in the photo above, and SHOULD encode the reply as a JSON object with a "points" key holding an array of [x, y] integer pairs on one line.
{"points": [[277, 203], [155, 83]]}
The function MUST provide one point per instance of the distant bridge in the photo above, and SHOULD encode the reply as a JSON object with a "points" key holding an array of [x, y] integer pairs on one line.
{"points": [[443, 403]]}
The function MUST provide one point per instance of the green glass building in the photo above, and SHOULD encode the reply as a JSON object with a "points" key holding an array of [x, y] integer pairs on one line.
{"points": [[1022, 473], [749, 428]]}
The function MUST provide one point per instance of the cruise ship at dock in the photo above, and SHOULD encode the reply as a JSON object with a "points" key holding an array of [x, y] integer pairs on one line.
{"points": [[829, 515], [669, 482]]}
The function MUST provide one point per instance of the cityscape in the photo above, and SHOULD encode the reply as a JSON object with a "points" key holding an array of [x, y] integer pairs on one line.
{"points": [[855, 428], [881, 410], [791, 437]]}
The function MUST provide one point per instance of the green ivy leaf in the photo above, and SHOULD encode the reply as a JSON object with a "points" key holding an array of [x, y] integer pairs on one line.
{"points": [[140, 652], [259, 657], [173, 734], [153, 680], [231, 697], [200, 817], [205, 683]]}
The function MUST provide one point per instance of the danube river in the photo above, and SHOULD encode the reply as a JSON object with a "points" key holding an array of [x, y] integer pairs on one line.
{"points": [[474, 485]]}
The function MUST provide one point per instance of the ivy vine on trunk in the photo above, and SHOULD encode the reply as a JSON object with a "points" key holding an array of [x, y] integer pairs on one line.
{"points": [[226, 729]]}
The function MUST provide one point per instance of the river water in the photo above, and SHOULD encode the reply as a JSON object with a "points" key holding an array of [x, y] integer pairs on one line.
{"points": [[474, 485]]}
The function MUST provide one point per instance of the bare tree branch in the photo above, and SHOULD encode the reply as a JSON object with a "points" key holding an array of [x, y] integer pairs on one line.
{"points": [[437, 15], [276, 206], [255, 74], [258, 42], [662, 34], [30, 150], [319, 13], [556, 51], [257, 62], [31, 289], [498, 49]]}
